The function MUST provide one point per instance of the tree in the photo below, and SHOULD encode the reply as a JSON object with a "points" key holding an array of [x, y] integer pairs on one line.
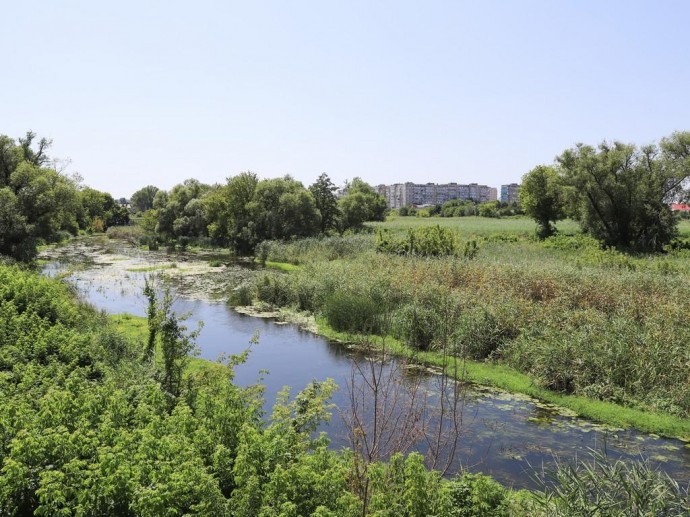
{"points": [[228, 214], [323, 191], [15, 240], [541, 197], [488, 209], [100, 209], [281, 209], [181, 212], [142, 199], [621, 193], [361, 203]]}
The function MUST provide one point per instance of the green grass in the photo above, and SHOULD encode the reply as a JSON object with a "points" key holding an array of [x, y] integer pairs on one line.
{"points": [[684, 228], [509, 379], [282, 266], [473, 226], [135, 329]]}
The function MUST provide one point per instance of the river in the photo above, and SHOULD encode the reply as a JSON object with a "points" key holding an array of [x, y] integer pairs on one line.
{"points": [[500, 434]]}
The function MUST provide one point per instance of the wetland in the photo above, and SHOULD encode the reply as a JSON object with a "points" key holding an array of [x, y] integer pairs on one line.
{"points": [[502, 434]]}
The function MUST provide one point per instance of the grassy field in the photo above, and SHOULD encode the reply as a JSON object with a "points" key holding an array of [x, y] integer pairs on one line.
{"points": [[472, 226], [484, 226]]}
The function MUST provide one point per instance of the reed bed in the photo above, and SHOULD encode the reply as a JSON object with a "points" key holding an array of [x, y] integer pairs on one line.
{"points": [[577, 319]]}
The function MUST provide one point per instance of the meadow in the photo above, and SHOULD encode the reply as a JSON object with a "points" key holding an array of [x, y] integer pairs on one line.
{"points": [[473, 225]]}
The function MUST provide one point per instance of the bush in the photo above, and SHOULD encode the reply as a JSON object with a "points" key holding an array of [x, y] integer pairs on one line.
{"points": [[481, 333], [425, 241], [417, 326], [241, 296], [477, 495], [133, 234], [353, 312]]}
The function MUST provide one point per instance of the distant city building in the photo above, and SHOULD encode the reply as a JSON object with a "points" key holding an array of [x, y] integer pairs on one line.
{"points": [[680, 207], [509, 193], [493, 194], [405, 194]]}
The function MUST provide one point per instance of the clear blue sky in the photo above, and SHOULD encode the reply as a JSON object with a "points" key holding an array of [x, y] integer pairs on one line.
{"points": [[146, 92]]}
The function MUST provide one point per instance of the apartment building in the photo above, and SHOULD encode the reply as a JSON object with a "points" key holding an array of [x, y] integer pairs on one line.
{"points": [[405, 194], [509, 193]]}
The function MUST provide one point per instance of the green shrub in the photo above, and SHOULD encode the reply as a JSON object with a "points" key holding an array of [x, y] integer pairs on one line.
{"points": [[417, 326], [262, 251], [481, 332], [425, 241], [275, 290], [354, 312], [241, 296], [476, 495]]}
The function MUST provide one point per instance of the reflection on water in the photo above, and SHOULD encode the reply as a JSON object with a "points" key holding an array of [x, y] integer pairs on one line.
{"points": [[502, 434]]}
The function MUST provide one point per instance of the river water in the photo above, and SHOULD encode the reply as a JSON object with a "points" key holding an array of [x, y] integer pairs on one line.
{"points": [[500, 434]]}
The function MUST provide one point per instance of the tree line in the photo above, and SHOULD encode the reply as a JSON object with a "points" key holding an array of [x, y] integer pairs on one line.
{"points": [[39, 205], [464, 208], [246, 210], [619, 193]]}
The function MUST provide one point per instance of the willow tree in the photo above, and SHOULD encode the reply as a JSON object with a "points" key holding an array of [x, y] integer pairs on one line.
{"points": [[621, 193]]}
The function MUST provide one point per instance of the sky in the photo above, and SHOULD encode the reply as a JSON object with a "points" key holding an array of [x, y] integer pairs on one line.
{"points": [[155, 92]]}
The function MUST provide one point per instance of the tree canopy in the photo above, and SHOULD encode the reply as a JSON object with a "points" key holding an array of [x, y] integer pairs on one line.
{"points": [[142, 199], [541, 197], [323, 191], [37, 202], [361, 203], [621, 193]]}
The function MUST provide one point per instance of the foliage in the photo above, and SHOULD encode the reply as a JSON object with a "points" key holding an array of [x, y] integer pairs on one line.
{"points": [[541, 197], [361, 203], [576, 318], [228, 213], [40, 205], [98, 211], [489, 209], [603, 487], [86, 428], [281, 209], [621, 193], [323, 191], [354, 312], [15, 232], [425, 241], [142, 199], [477, 495], [180, 212]]}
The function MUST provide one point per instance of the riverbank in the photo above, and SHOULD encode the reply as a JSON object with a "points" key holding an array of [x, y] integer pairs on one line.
{"points": [[611, 416], [596, 331]]}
